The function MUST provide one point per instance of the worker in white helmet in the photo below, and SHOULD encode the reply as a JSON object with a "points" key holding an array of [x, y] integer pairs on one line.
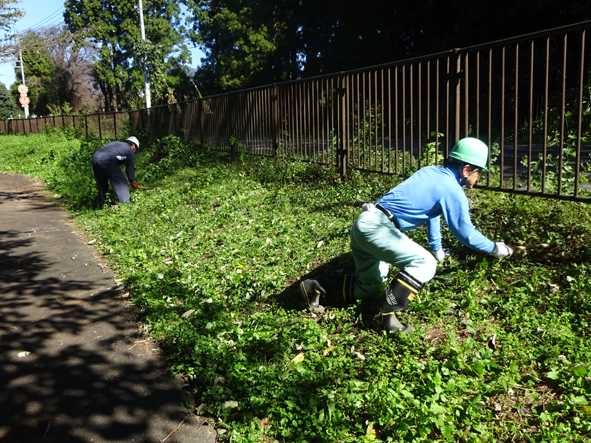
{"points": [[106, 166]]}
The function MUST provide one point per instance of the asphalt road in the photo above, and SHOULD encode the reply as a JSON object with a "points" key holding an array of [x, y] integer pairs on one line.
{"points": [[74, 366]]}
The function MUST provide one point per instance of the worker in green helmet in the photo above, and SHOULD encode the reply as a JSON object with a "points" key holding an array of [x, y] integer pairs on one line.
{"points": [[378, 239]]}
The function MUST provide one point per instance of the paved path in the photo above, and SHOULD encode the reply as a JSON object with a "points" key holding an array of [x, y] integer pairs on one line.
{"points": [[73, 366]]}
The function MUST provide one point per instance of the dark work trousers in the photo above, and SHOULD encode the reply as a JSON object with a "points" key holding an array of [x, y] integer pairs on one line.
{"points": [[110, 171]]}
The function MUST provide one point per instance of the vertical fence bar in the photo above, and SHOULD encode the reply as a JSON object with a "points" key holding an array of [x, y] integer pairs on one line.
{"points": [[389, 121], [490, 62], [298, 113], [437, 92], [364, 122], [342, 127], [580, 114], [294, 119], [530, 122], [264, 119], [478, 96], [200, 117], [349, 120], [516, 117], [396, 118], [403, 87], [420, 116], [457, 98], [316, 119], [382, 145], [562, 116], [448, 108], [545, 142], [261, 120], [429, 100], [307, 108], [411, 112], [373, 111], [357, 127], [276, 129], [502, 116], [466, 79]]}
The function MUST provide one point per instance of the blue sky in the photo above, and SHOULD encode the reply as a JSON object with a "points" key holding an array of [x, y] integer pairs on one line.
{"points": [[42, 13]]}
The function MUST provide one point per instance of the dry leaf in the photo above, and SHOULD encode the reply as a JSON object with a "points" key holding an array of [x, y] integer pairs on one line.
{"points": [[329, 350], [298, 358]]}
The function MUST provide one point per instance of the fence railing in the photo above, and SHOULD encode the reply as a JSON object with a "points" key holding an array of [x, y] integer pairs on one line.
{"points": [[107, 125], [527, 97]]}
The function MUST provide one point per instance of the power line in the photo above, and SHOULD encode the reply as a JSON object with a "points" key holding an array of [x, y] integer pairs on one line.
{"points": [[49, 17]]}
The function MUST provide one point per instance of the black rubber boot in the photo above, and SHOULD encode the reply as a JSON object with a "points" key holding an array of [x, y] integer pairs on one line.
{"points": [[399, 294], [328, 289]]}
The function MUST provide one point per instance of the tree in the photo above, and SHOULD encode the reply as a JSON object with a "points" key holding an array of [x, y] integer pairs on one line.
{"points": [[239, 38], [9, 14], [8, 106], [254, 42], [58, 74], [114, 26]]}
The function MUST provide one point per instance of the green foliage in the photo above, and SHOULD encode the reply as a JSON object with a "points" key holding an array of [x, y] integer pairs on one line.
{"points": [[8, 106], [9, 13], [558, 173], [38, 71], [154, 56], [211, 255], [56, 109], [114, 25], [251, 43], [241, 37], [431, 155]]}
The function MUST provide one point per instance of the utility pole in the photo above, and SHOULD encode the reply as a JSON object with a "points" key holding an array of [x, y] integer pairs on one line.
{"points": [[147, 84], [20, 55]]}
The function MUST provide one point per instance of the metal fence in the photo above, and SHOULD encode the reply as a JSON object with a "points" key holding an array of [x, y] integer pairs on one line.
{"points": [[107, 125], [527, 97]]}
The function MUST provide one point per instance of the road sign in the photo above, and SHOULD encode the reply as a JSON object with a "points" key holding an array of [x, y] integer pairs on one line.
{"points": [[23, 89], [24, 101]]}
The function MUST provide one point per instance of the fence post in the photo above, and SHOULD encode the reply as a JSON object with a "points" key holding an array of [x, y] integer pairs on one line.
{"points": [[342, 146], [457, 81], [115, 123], [200, 117], [275, 120], [100, 128], [175, 121]]}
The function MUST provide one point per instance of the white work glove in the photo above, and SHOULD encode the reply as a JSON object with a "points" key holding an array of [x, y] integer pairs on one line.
{"points": [[501, 250], [440, 254]]}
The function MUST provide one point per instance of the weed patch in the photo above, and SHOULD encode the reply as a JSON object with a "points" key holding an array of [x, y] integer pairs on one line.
{"points": [[212, 252]]}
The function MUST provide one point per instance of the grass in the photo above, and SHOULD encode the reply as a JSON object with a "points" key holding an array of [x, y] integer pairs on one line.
{"points": [[212, 253]]}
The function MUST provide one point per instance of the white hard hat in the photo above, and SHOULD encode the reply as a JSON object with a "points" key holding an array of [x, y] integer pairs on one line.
{"points": [[134, 141]]}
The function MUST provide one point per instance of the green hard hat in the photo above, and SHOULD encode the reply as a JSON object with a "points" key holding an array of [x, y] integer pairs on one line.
{"points": [[471, 150]]}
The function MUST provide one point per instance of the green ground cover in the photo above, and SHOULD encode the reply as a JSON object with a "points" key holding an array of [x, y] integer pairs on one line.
{"points": [[212, 252]]}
